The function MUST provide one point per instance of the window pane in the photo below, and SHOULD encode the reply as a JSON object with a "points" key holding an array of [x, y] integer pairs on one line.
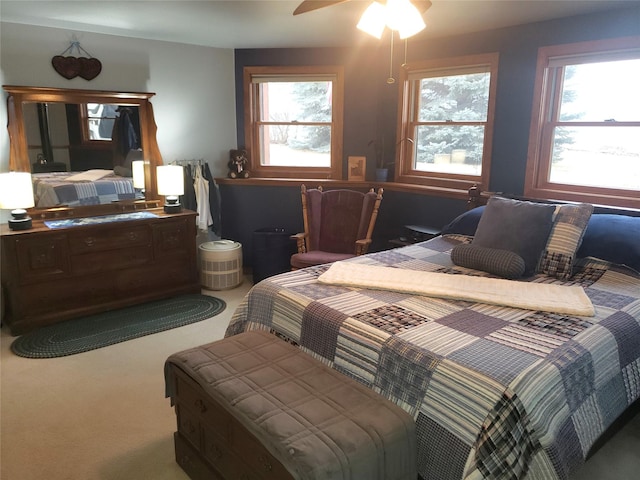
{"points": [[295, 102], [449, 148], [101, 120], [601, 91], [460, 98], [295, 145], [607, 157]]}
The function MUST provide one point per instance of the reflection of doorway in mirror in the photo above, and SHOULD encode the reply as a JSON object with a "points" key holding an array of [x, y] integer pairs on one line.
{"points": [[57, 131], [357, 168]]}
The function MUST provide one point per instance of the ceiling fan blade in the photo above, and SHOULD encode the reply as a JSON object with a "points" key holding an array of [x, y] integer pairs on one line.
{"points": [[422, 5], [310, 5]]}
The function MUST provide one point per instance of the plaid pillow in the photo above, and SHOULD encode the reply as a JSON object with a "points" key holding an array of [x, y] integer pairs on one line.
{"points": [[569, 225], [492, 260]]}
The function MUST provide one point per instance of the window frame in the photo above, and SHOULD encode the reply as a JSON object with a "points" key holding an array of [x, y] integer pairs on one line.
{"points": [[545, 117], [252, 121], [83, 113], [407, 111]]}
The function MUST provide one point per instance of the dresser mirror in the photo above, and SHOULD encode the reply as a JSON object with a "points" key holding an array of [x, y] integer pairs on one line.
{"points": [[82, 140]]}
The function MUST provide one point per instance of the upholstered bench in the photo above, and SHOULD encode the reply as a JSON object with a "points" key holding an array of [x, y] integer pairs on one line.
{"points": [[252, 406]]}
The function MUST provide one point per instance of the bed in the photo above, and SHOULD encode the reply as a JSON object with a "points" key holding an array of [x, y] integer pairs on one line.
{"points": [[496, 391], [59, 188]]}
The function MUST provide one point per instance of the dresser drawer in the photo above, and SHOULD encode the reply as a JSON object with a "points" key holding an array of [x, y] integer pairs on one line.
{"points": [[173, 237], [105, 261], [156, 276], [62, 295], [42, 258], [109, 239]]}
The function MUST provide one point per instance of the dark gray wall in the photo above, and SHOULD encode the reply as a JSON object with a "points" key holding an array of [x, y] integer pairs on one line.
{"points": [[371, 107]]}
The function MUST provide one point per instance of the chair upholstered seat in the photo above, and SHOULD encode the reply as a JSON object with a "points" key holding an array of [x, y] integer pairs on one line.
{"points": [[317, 257], [338, 225]]}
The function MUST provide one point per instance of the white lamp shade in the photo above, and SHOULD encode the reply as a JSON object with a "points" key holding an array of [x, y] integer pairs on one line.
{"points": [[170, 180], [412, 21], [16, 190], [373, 20], [137, 169]]}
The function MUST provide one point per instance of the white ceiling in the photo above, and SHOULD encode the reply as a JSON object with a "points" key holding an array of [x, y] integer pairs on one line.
{"points": [[266, 23]]}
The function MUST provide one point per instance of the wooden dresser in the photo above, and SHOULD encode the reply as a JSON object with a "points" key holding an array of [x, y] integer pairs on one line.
{"points": [[54, 274]]}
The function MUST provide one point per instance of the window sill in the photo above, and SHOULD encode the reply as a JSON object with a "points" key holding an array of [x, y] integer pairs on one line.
{"points": [[461, 194]]}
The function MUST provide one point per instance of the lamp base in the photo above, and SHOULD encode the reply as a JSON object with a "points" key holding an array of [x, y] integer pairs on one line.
{"points": [[172, 208], [20, 223]]}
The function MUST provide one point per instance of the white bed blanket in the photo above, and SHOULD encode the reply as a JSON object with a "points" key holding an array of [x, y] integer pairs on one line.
{"points": [[565, 299]]}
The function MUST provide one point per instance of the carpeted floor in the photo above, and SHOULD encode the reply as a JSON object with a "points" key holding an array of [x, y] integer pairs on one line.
{"points": [[102, 415], [107, 328]]}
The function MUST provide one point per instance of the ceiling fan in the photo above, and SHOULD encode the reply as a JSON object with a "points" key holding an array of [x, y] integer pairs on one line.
{"points": [[310, 5], [403, 16]]}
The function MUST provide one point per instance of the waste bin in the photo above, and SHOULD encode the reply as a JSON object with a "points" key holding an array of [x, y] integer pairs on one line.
{"points": [[220, 264], [272, 250]]}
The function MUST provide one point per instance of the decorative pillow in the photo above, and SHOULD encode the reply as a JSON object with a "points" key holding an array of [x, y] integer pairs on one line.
{"points": [[465, 223], [517, 226], [499, 262], [569, 225], [614, 238]]}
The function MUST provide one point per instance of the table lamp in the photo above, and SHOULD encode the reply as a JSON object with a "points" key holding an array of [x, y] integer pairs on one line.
{"points": [[16, 194], [171, 185], [137, 170]]}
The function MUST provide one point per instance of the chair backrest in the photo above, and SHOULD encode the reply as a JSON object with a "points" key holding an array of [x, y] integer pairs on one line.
{"points": [[335, 219]]}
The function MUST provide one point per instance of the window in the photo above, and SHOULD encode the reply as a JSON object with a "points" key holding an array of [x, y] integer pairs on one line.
{"points": [[446, 121], [293, 121], [584, 132], [97, 121]]}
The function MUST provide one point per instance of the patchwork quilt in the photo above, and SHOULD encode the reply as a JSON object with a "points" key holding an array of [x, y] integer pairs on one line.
{"points": [[496, 392], [51, 189]]}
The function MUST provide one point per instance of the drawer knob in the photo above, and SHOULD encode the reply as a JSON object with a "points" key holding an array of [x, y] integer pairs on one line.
{"points": [[89, 241], [132, 235], [200, 405], [266, 464]]}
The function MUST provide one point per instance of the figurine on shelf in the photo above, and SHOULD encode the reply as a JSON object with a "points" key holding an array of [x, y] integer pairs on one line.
{"points": [[238, 164]]}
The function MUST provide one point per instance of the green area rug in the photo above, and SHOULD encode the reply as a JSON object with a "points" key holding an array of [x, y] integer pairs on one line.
{"points": [[103, 329]]}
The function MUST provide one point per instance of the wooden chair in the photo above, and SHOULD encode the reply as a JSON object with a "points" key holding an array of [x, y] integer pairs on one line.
{"points": [[338, 224]]}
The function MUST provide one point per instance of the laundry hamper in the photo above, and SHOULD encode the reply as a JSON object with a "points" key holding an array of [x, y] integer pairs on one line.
{"points": [[220, 264]]}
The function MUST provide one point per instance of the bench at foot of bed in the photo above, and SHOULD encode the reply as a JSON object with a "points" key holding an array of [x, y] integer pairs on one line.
{"points": [[253, 406]]}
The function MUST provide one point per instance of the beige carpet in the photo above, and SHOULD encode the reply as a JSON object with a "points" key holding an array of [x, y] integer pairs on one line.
{"points": [[102, 415]]}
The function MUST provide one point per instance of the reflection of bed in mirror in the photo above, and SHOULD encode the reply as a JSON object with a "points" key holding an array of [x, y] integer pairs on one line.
{"points": [[68, 188], [52, 129]]}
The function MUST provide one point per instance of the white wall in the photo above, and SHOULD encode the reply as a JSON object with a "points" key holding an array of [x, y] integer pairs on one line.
{"points": [[194, 104]]}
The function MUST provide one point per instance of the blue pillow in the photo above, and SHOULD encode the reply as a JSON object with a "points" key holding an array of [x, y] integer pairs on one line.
{"points": [[518, 226], [464, 224], [614, 238]]}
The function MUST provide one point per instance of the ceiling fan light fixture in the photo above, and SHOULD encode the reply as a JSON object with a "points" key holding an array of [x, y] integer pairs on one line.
{"points": [[412, 25], [373, 20], [399, 15]]}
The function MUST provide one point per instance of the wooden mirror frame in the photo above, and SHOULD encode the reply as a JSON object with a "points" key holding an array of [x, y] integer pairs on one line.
{"points": [[18, 95]]}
